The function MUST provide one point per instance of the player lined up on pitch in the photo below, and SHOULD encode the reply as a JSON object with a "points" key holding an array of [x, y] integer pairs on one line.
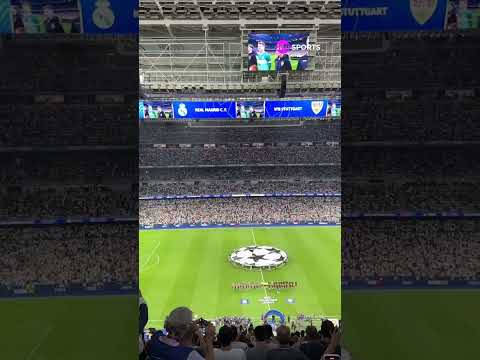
{"points": [[275, 285]]}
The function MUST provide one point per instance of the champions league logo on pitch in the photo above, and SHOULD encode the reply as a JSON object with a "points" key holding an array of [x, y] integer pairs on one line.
{"points": [[259, 257]]}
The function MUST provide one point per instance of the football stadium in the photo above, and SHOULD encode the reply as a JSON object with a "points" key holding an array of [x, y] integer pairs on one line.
{"points": [[217, 192], [239, 125]]}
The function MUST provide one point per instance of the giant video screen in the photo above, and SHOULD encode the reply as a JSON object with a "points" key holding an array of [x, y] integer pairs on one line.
{"points": [[334, 108], [278, 52], [250, 110], [40, 16], [463, 15], [152, 110]]}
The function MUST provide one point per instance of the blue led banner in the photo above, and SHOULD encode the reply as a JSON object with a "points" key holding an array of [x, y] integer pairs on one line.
{"points": [[295, 108], [69, 16], [391, 15], [110, 16], [274, 109], [204, 110]]}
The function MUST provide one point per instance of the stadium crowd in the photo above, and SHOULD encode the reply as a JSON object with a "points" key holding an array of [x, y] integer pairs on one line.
{"points": [[417, 162], [304, 172], [427, 195], [89, 166], [46, 56], [68, 255], [241, 322], [71, 201], [239, 210], [409, 178], [383, 119], [236, 187], [411, 249], [197, 340], [60, 124], [222, 155], [155, 133], [407, 52]]}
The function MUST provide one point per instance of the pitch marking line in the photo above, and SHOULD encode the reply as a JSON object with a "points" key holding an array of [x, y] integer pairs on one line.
{"points": [[42, 340], [151, 254], [145, 268], [261, 271]]}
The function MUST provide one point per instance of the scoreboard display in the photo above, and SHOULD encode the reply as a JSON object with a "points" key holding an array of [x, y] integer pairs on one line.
{"points": [[242, 109]]}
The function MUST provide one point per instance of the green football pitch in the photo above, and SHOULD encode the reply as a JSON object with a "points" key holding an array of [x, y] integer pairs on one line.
{"points": [[411, 324], [190, 267], [74, 328], [378, 325]]}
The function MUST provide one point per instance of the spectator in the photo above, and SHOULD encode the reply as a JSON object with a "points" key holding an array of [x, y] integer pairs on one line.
{"points": [[270, 341], [284, 350], [311, 346], [259, 351], [178, 344], [225, 337], [143, 310], [327, 332], [236, 343]]}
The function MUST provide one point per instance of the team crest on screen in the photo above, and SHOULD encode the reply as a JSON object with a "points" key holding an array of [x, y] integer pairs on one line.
{"points": [[103, 15], [182, 109], [422, 10], [317, 106]]}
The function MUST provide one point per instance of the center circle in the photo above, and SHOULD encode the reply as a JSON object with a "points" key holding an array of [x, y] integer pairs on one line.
{"points": [[258, 257]]}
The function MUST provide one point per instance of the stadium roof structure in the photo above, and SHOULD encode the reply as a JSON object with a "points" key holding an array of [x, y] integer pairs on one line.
{"points": [[173, 16], [199, 45]]}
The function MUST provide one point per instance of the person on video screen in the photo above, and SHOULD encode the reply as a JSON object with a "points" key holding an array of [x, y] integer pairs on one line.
{"points": [[282, 63], [17, 21], [252, 58], [452, 21], [30, 21], [253, 113], [333, 109], [51, 21], [264, 60], [160, 113], [243, 112], [282, 59], [149, 112]]}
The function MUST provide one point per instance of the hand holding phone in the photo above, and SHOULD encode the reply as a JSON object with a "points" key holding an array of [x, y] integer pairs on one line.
{"points": [[331, 357]]}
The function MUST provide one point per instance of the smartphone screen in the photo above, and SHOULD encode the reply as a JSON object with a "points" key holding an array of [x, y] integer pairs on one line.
{"points": [[146, 335], [331, 357]]}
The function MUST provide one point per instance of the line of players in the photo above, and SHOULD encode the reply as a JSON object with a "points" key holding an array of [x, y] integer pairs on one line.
{"points": [[274, 285]]}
